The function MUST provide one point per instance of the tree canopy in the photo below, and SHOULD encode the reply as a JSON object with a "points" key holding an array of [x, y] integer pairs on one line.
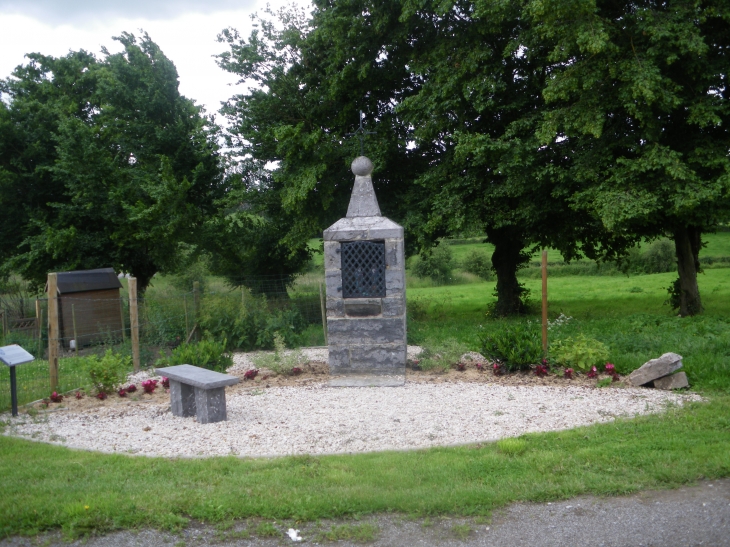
{"points": [[102, 163]]}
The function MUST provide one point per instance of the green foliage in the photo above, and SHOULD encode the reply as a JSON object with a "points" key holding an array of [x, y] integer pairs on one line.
{"points": [[108, 372], [515, 345], [252, 325], [478, 263], [194, 271], [439, 265], [102, 163], [205, 354], [580, 352], [281, 361], [512, 446], [441, 355]]}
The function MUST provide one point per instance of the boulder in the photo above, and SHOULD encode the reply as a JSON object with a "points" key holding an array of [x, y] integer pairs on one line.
{"points": [[673, 381], [656, 368]]}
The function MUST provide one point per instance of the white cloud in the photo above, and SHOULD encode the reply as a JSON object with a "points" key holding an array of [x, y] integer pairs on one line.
{"points": [[188, 39]]}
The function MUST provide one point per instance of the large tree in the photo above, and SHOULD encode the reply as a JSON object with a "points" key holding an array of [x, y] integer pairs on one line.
{"points": [[103, 163], [455, 89], [643, 89]]}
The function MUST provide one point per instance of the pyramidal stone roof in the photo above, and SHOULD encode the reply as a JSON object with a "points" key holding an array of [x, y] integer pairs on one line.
{"points": [[364, 219]]}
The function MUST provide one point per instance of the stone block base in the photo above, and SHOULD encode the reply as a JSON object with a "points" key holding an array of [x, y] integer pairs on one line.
{"points": [[209, 405]]}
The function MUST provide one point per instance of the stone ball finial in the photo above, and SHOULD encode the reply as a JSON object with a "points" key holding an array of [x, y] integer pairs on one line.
{"points": [[361, 166]]}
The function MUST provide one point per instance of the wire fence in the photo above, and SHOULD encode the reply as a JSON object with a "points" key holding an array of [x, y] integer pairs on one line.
{"points": [[168, 316]]}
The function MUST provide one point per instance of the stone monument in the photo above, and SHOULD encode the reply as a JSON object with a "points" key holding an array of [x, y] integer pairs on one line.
{"points": [[364, 262]]}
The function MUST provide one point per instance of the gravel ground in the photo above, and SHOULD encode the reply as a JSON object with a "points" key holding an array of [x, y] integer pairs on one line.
{"points": [[316, 419]]}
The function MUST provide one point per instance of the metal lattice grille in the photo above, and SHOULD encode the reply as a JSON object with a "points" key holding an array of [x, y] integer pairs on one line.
{"points": [[363, 269]]}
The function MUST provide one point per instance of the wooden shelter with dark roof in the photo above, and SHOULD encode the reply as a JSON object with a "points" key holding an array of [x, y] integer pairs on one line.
{"points": [[92, 299]]}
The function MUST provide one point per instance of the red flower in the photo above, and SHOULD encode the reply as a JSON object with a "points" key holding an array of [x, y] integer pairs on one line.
{"points": [[480, 367], [165, 382], [56, 398], [614, 377], [149, 386], [132, 388], [79, 395], [593, 372], [250, 374], [101, 395], [610, 368], [497, 369], [460, 366], [296, 370], [568, 373], [541, 370], [122, 392]]}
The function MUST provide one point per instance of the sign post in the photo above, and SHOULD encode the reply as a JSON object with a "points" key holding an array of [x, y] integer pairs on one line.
{"points": [[12, 356]]}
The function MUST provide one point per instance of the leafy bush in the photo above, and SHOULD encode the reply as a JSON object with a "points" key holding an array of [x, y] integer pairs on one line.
{"points": [[581, 352], [442, 356], [479, 264], [281, 361], [515, 345], [205, 354], [252, 326], [439, 265], [107, 372]]}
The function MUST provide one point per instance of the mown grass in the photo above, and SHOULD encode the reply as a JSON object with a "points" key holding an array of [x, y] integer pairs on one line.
{"points": [[49, 487]]}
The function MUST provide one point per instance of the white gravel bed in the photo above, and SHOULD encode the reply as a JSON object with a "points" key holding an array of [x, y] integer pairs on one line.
{"points": [[316, 419]]}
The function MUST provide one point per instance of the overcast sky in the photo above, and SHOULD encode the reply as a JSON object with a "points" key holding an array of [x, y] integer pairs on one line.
{"points": [[185, 30]]}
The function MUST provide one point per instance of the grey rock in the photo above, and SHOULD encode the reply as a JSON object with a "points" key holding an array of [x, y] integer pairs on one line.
{"points": [[197, 377], [182, 399], [656, 368], [210, 405], [332, 255], [394, 253], [394, 306], [357, 331], [335, 307], [333, 282], [673, 381]]}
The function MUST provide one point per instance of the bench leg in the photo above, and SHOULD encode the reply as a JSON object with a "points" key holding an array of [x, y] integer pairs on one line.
{"points": [[210, 405], [182, 399]]}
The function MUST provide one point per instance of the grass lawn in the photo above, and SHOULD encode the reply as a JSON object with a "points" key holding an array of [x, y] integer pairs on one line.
{"points": [[85, 492], [49, 487]]}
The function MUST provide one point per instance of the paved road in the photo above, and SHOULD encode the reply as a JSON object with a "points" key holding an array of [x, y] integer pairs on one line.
{"points": [[687, 517]]}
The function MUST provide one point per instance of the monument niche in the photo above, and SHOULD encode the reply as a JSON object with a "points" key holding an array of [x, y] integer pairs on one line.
{"points": [[364, 262]]}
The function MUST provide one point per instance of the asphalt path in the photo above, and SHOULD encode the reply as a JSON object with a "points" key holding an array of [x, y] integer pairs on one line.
{"points": [[685, 517]]}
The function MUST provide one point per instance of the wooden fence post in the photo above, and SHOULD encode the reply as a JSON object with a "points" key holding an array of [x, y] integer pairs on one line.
{"points": [[38, 318], [76, 338], [544, 305], [134, 321], [53, 329], [196, 305]]}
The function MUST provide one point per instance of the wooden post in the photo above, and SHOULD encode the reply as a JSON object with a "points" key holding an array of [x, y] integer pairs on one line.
{"points": [[544, 304], [196, 310], [323, 308], [53, 329], [76, 338], [134, 321], [121, 316]]}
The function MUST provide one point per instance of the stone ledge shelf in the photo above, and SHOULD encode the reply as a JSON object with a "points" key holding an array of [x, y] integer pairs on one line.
{"points": [[199, 392]]}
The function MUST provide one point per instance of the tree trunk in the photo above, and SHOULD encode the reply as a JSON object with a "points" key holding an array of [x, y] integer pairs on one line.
{"points": [[507, 258], [687, 241]]}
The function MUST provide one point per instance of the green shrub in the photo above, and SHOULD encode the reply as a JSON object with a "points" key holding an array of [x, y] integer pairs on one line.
{"points": [[479, 264], [441, 356], [106, 373], [281, 361], [250, 326], [515, 345], [581, 352], [205, 354], [439, 265]]}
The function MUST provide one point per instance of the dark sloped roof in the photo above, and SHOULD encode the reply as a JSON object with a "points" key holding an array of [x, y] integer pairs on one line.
{"points": [[87, 280]]}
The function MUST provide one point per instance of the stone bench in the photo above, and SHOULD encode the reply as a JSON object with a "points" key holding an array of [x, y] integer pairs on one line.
{"points": [[197, 391]]}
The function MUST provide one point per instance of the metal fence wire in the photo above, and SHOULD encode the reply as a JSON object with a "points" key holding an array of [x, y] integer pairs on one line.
{"points": [[167, 317]]}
